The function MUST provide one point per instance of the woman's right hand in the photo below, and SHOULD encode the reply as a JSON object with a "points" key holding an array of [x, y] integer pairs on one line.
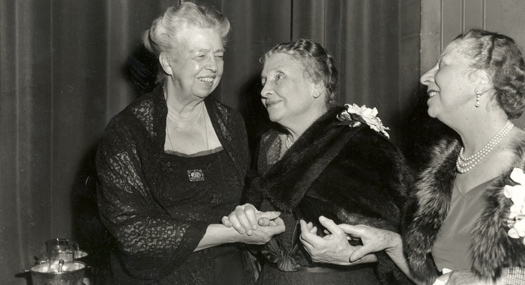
{"points": [[373, 240], [246, 219], [263, 234], [217, 234]]}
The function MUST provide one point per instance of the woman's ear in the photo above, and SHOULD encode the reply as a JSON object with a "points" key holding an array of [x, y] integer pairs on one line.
{"points": [[165, 62], [484, 81], [318, 89]]}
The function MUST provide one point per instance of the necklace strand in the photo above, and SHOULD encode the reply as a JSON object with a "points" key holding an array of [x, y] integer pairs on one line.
{"points": [[188, 117], [490, 144], [181, 122], [465, 164], [205, 131]]}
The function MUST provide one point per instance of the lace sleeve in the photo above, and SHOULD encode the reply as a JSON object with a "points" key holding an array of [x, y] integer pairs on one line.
{"points": [[150, 243]]}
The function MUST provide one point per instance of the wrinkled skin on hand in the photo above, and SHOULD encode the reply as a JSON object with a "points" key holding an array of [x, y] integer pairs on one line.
{"points": [[246, 219], [333, 248], [373, 239], [263, 234]]}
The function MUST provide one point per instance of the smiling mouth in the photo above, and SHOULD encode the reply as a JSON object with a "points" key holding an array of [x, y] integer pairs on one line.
{"points": [[271, 103], [206, 80], [432, 93]]}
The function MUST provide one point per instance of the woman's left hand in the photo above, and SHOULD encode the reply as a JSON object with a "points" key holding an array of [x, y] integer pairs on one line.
{"points": [[332, 248], [246, 218]]}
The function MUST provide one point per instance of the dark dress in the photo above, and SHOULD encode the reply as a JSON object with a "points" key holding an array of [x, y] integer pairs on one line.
{"points": [[350, 175], [427, 212], [156, 215]]}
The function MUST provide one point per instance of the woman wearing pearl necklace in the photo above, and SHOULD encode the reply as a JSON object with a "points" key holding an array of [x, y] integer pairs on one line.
{"points": [[457, 221]]}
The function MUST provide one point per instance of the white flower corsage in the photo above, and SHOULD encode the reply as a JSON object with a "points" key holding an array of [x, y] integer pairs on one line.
{"points": [[354, 116], [517, 211]]}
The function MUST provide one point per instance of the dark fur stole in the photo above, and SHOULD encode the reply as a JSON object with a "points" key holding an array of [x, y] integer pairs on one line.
{"points": [[350, 175], [428, 207]]}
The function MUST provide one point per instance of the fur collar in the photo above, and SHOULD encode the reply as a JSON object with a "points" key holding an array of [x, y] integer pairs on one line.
{"points": [[285, 184], [426, 210]]}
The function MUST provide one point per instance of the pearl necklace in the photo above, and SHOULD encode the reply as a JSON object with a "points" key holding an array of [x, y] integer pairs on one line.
{"points": [[186, 122], [205, 130], [183, 122], [465, 164]]}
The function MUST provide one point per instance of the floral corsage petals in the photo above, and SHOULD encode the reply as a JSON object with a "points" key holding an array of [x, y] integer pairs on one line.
{"points": [[354, 116], [516, 193]]}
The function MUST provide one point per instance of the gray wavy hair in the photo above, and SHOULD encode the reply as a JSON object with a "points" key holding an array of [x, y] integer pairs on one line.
{"points": [[163, 34], [317, 62]]}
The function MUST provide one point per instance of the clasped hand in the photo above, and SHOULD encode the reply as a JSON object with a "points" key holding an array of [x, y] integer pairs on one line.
{"points": [[249, 221]]}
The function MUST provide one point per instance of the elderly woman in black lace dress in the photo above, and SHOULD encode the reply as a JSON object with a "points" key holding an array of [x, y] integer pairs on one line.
{"points": [[173, 163], [322, 160]]}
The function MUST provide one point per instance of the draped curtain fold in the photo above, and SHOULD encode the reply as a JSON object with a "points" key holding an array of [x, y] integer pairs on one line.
{"points": [[25, 144], [372, 44], [364, 38], [64, 74]]}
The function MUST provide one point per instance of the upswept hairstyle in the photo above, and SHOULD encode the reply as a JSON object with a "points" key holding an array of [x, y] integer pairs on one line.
{"points": [[501, 57], [163, 34], [317, 62]]}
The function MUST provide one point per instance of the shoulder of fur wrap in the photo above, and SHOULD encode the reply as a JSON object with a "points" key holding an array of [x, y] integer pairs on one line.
{"points": [[493, 249], [335, 150], [428, 206], [353, 175]]}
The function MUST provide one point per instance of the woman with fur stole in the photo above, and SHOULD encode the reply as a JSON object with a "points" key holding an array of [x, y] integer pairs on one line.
{"points": [[460, 221], [324, 160]]}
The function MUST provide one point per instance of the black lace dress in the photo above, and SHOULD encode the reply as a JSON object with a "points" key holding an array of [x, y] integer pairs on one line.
{"points": [[157, 206]]}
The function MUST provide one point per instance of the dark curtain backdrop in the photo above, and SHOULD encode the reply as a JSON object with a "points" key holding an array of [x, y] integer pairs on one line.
{"points": [[64, 69]]}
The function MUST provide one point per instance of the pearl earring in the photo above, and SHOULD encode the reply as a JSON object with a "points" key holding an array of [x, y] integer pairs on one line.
{"points": [[478, 95]]}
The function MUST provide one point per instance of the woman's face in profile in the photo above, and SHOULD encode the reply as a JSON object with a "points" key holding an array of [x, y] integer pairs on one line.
{"points": [[288, 90], [197, 62], [449, 84]]}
